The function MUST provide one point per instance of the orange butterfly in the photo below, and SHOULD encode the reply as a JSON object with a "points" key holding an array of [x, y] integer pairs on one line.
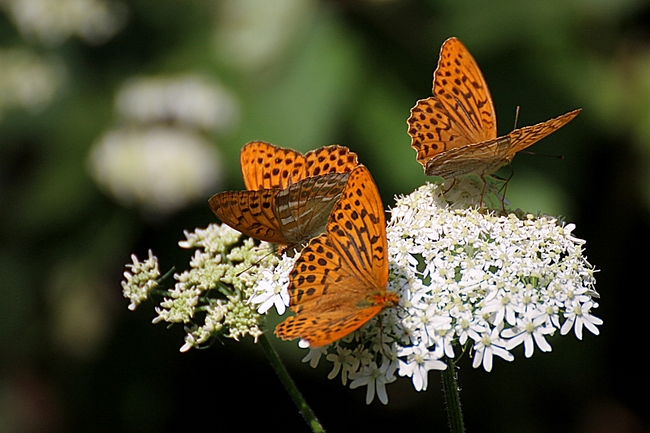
{"points": [[290, 195], [455, 131], [339, 281], [266, 166]]}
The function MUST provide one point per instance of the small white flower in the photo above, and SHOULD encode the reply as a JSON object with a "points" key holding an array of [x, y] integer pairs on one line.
{"points": [[419, 360], [488, 345], [375, 378], [578, 316], [530, 331], [344, 363], [314, 354], [273, 287]]}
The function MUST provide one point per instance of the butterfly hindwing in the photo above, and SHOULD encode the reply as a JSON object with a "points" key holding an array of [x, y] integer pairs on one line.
{"points": [[527, 136], [330, 159], [267, 166]]}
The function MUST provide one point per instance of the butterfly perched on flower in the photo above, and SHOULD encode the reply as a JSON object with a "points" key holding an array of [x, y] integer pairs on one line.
{"points": [[289, 195], [455, 131], [339, 281]]}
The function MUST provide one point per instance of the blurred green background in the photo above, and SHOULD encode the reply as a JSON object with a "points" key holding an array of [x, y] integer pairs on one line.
{"points": [[119, 118]]}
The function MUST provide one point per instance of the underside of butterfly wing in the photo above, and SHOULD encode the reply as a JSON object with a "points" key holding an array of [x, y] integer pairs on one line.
{"points": [[250, 212], [486, 157], [529, 135], [303, 208], [480, 158]]}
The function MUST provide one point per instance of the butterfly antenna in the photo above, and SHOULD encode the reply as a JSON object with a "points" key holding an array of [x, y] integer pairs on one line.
{"points": [[257, 262], [516, 117], [529, 152]]}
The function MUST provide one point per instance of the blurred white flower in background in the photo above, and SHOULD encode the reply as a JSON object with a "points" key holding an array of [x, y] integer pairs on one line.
{"points": [[252, 33], [161, 169], [27, 80], [53, 21], [160, 159], [192, 100]]}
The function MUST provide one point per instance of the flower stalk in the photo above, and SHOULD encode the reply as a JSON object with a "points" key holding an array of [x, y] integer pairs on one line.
{"points": [[451, 392], [290, 386]]}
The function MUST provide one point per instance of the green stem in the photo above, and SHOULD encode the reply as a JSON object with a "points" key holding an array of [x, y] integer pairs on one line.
{"points": [[452, 397], [290, 386]]}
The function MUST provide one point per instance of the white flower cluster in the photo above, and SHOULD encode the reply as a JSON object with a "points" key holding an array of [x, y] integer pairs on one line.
{"points": [[54, 21], [212, 297], [494, 282], [27, 80], [466, 279], [469, 280], [191, 100], [160, 158], [160, 169], [141, 280]]}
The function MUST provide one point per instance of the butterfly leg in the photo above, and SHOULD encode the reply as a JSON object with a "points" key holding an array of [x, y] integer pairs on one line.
{"points": [[480, 207], [450, 187], [505, 188]]}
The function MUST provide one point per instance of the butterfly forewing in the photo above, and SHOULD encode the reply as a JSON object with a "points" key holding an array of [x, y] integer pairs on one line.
{"points": [[265, 166], [357, 228], [460, 87]]}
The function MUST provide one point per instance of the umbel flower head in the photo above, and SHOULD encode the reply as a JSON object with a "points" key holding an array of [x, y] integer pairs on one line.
{"points": [[469, 280], [211, 298]]}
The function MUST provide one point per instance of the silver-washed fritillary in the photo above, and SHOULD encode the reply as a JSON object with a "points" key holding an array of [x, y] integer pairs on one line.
{"points": [[455, 131], [289, 195], [339, 281]]}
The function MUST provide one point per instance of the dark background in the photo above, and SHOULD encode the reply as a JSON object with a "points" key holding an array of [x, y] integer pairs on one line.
{"points": [[74, 359]]}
